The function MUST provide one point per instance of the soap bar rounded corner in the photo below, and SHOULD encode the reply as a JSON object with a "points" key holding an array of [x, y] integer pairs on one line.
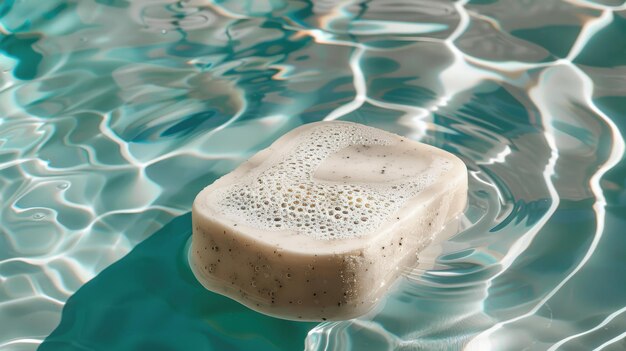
{"points": [[323, 248]]}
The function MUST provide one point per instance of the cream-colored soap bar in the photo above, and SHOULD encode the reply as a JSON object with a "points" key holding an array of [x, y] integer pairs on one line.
{"points": [[319, 224]]}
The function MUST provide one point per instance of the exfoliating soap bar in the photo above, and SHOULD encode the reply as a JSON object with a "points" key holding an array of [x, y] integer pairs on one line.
{"points": [[318, 225]]}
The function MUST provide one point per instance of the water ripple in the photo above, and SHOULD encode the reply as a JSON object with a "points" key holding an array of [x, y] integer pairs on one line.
{"points": [[114, 113]]}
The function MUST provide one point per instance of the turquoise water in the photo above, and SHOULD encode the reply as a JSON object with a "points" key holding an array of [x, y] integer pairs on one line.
{"points": [[114, 114]]}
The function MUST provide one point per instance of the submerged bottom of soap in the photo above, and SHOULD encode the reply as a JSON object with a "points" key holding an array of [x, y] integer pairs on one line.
{"points": [[307, 287]]}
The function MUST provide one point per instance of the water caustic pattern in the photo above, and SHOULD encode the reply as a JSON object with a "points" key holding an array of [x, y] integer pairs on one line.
{"points": [[115, 113]]}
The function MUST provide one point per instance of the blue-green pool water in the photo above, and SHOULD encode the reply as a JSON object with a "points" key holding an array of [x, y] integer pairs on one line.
{"points": [[115, 113]]}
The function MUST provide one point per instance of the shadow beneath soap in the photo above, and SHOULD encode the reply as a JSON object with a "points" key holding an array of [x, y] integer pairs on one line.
{"points": [[150, 300]]}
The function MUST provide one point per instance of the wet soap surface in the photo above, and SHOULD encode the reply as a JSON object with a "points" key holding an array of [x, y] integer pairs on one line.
{"points": [[317, 226]]}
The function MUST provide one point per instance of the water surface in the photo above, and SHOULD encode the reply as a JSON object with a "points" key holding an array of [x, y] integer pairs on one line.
{"points": [[115, 113]]}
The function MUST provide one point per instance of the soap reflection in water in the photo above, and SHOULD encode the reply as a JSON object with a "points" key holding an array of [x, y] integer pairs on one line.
{"points": [[150, 300]]}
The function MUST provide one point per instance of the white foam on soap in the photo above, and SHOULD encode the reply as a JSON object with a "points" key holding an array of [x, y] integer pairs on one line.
{"points": [[337, 183]]}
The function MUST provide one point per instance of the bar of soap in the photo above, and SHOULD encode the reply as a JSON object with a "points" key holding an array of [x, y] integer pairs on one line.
{"points": [[318, 225]]}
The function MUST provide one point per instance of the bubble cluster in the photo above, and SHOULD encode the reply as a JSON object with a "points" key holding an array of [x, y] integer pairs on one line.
{"points": [[284, 195]]}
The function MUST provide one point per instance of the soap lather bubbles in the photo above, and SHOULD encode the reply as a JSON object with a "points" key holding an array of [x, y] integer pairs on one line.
{"points": [[285, 195]]}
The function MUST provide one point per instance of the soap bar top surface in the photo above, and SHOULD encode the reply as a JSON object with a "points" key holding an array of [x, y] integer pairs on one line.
{"points": [[328, 180]]}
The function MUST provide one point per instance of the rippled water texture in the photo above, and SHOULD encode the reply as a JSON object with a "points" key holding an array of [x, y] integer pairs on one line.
{"points": [[115, 113]]}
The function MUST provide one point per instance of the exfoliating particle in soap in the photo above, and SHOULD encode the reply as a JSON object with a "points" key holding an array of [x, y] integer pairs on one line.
{"points": [[287, 196]]}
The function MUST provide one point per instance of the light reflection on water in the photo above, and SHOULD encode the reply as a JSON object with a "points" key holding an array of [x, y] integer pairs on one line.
{"points": [[114, 114]]}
